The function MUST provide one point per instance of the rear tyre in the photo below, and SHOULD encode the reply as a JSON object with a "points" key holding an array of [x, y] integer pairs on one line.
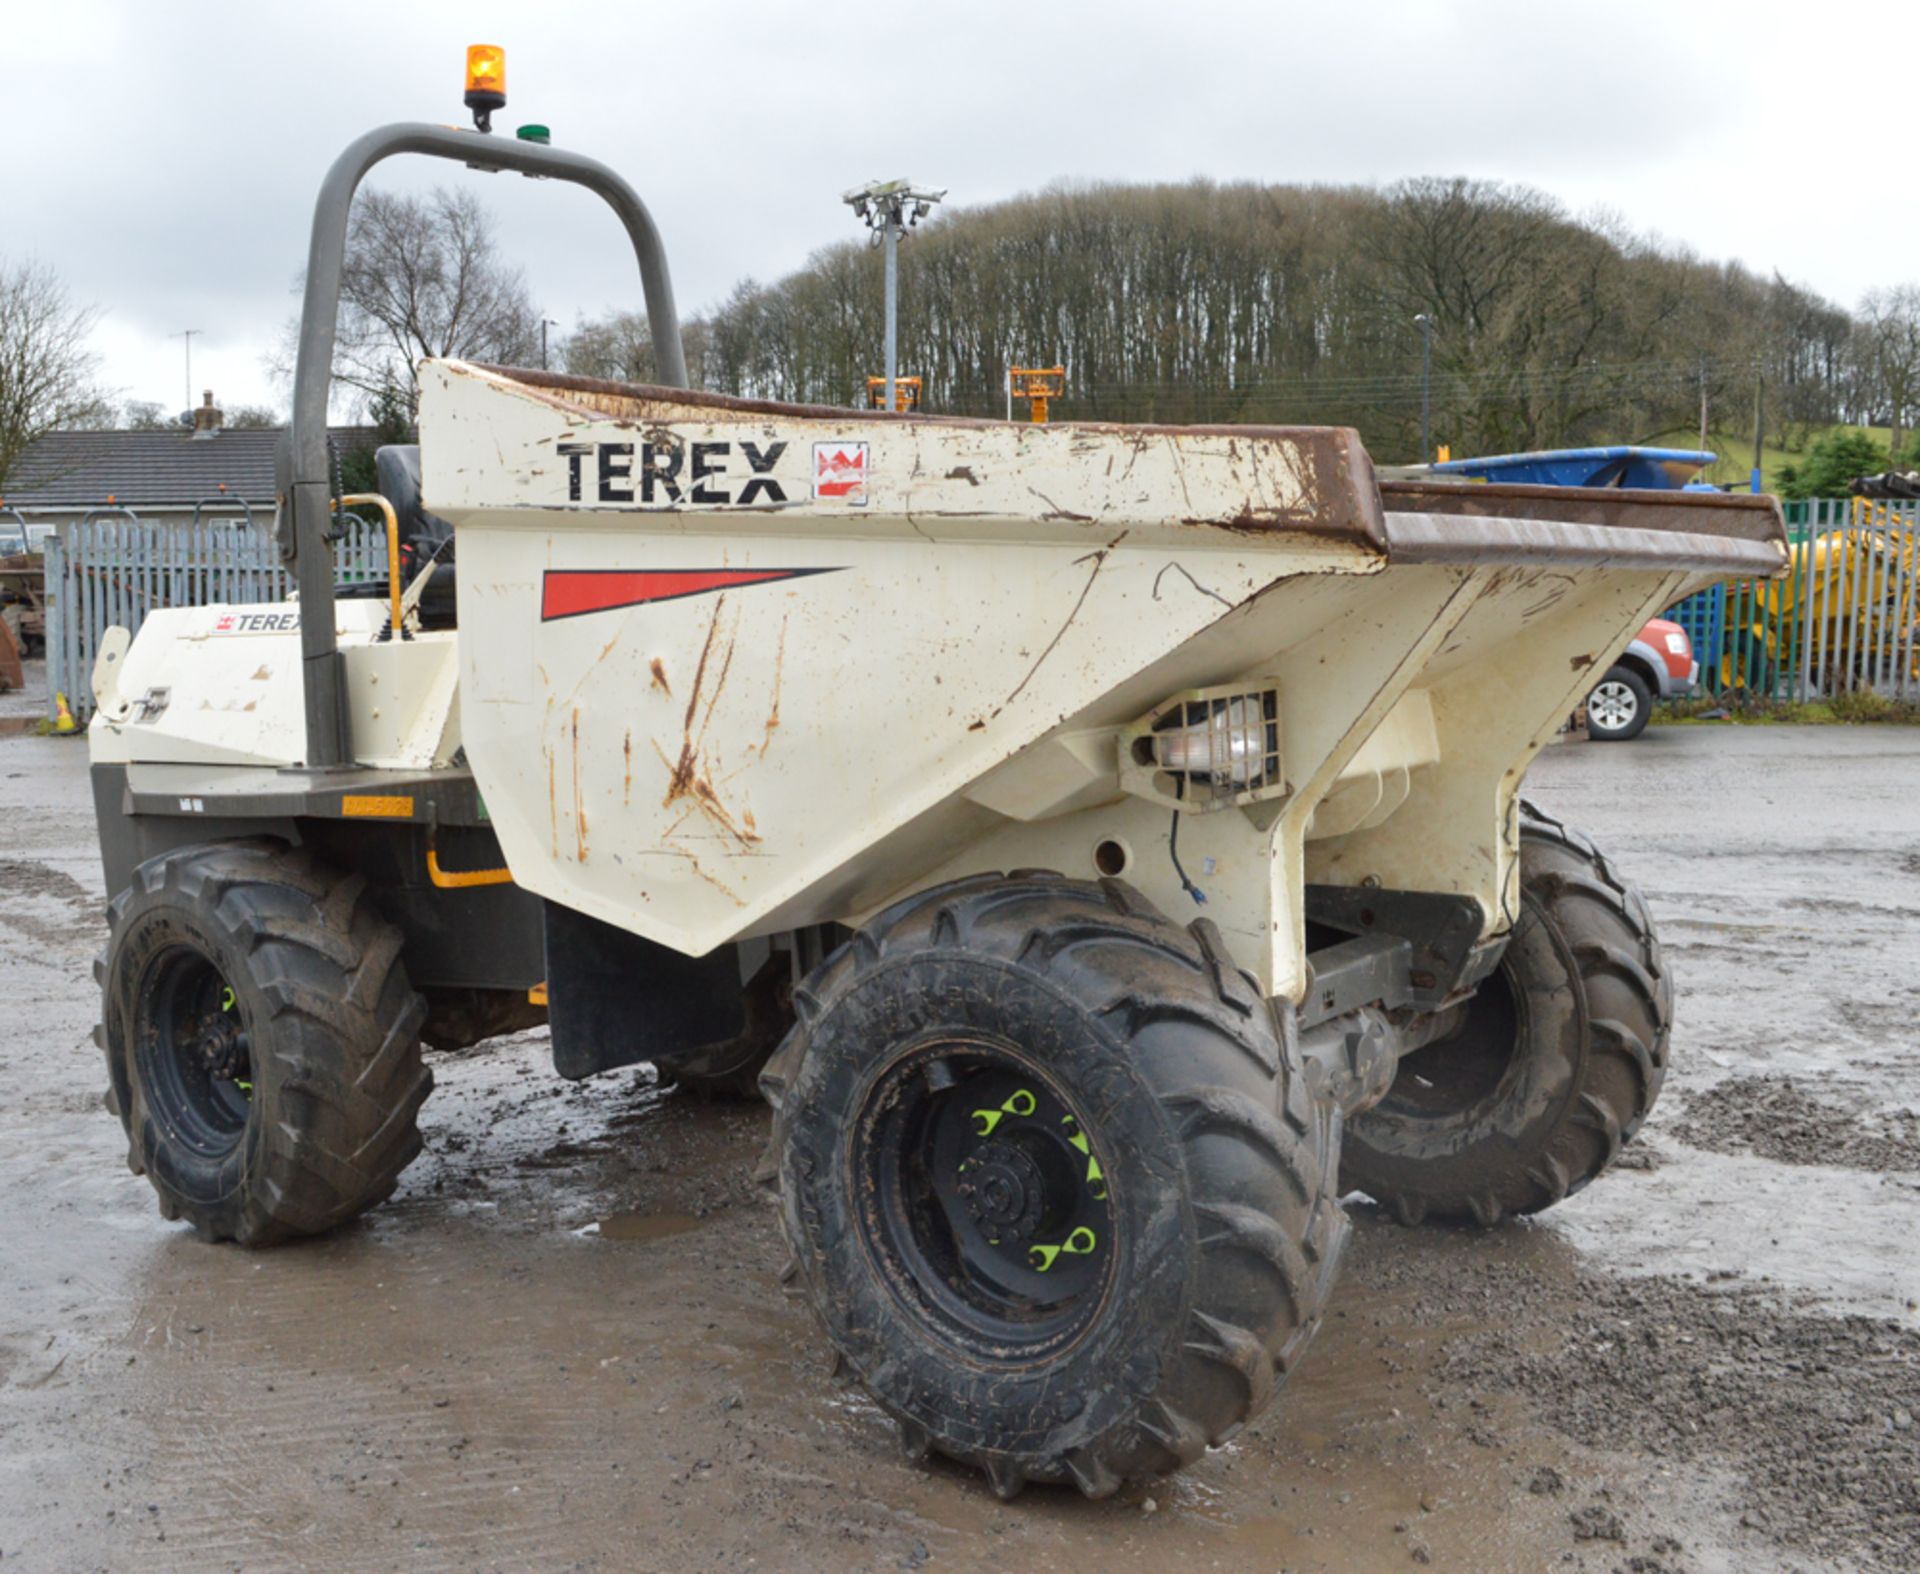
{"points": [[1053, 1179], [1560, 1058], [1619, 706], [262, 1041]]}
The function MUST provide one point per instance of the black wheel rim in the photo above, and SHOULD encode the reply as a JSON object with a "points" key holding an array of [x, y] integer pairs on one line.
{"points": [[984, 1198], [195, 1052], [1468, 1070]]}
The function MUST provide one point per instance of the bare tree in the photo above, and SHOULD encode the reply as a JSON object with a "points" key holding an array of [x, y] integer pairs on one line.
{"points": [[1888, 347], [46, 369], [423, 278], [619, 347], [253, 418], [147, 415]]}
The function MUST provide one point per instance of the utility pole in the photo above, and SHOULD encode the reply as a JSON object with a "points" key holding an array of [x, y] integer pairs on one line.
{"points": [[1759, 429], [1703, 404], [890, 208], [545, 324], [1426, 387], [187, 334]]}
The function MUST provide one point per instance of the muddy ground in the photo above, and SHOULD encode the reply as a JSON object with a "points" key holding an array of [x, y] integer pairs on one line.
{"points": [[561, 1344]]}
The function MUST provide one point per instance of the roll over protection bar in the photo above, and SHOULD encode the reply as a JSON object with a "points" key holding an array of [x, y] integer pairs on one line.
{"points": [[305, 500]]}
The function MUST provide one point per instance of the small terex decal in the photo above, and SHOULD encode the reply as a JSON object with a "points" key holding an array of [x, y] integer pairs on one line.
{"points": [[840, 472], [257, 622], [572, 592]]}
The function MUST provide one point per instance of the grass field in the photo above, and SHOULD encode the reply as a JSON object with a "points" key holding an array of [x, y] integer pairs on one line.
{"points": [[1735, 452]]}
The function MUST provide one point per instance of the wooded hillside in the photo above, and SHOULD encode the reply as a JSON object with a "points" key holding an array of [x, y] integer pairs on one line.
{"points": [[1241, 303]]}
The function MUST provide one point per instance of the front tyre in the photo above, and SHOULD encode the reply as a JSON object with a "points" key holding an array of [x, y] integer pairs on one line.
{"points": [[1053, 1179], [1619, 706], [1557, 1063], [262, 1041]]}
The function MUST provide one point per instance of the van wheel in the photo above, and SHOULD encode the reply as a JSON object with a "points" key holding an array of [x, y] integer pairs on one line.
{"points": [[1053, 1179], [262, 1041], [1619, 706]]}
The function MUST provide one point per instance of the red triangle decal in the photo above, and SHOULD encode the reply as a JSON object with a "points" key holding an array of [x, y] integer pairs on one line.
{"points": [[570, 592]]}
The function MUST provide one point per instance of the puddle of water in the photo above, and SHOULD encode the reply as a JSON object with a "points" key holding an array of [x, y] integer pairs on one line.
{"points": [[1843, 1236], [641, 1227]]}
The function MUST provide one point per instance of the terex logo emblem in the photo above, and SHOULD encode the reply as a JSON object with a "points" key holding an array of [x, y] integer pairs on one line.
{"points": [[669, 473], [840, 471], [257, 623]]}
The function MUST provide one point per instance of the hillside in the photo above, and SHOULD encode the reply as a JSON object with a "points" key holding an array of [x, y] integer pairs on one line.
{"points": [[1245, 303], [1735, 451]]}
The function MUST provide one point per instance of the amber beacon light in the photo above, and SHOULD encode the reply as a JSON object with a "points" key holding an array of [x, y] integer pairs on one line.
{"points": [[486, 82]]}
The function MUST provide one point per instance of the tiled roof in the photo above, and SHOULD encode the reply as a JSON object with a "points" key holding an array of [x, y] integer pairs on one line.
{"points": [[67, 469]]}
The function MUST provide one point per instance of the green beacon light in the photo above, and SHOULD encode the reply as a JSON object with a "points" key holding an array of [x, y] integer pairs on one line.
{"points": [[535, 133]]}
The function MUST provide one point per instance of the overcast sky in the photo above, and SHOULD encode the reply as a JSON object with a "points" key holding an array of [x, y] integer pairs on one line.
{"points": [[175, 148]]}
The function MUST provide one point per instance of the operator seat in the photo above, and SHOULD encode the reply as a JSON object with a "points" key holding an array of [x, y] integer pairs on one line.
{"points": [[423, 536]]}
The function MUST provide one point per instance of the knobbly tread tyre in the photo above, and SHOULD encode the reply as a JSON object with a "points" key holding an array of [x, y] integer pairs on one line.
{"points": [[337, 1074], [1615, 1056], [1234, 1291]]}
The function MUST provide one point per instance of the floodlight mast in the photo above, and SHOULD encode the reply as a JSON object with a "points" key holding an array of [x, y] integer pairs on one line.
{"points": [[890, 208]]}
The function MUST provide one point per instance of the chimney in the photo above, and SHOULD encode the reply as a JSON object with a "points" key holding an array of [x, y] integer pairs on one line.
{"points": [[206, 420]]}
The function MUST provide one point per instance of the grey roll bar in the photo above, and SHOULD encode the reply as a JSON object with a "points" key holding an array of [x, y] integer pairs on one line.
{"points": [[223, 500], [306, 502]]}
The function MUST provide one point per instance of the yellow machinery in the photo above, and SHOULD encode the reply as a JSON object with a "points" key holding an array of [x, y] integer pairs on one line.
{"points": [[906, 393], [1037, 384], [1848, 610]]}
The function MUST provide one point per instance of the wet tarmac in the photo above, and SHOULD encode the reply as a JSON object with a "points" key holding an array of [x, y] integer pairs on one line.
{"points": [[561, 1344]]}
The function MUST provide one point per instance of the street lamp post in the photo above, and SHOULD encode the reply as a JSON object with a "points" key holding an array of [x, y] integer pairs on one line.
{"points": [[889, 208], [1426, 387]]}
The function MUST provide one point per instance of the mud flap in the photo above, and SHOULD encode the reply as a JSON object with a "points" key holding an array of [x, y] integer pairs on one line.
{"points": [[614, 998]]}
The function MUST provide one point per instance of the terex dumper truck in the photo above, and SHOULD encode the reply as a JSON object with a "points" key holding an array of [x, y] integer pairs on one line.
{"points": [[1102, 845]]}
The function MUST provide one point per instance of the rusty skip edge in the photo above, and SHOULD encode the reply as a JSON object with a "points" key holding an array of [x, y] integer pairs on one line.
{"points": [[1436, 538], [1429, 522], [1344, 500], [1690, 513]]}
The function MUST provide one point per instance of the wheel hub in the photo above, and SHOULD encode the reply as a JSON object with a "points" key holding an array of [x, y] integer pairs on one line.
{"points": [[1613, 705], [223, 1043], [1004, 1190], [195, 1054], [986, 1196]]}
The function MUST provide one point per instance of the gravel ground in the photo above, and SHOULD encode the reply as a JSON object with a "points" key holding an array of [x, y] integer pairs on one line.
{"points": [[1779, 1119], [559, 1344]]}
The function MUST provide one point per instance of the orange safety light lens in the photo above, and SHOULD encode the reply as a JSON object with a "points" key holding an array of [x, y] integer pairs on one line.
{"points": [[486, 69]]}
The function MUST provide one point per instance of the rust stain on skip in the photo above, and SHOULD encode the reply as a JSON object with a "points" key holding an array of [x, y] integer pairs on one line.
{"points": [[680, 776], [685, 777], [626, 755], [553, 808], [659, 670], [579, 812], [779, 671]]}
